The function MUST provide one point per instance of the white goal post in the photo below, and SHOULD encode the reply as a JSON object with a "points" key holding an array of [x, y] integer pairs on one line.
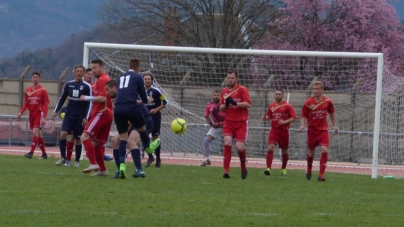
{"points": [[354, 81]]}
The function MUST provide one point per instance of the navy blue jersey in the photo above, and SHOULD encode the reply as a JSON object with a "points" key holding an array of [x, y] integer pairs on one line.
{"points": [[130, 85], [158, 98], [73, 91]]}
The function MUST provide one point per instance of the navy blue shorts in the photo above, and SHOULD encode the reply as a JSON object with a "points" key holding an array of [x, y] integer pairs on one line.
{"points": [[125, 113], [72, 123], [157, 124], [149, 126]]}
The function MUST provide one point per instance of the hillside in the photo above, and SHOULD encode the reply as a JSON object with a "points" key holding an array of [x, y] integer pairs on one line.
{"points": [[27, 25]]}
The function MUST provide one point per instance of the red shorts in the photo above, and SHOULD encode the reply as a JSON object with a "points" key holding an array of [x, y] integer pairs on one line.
{"points": [[317, 138], [98, 127], [236, 129], [278, 136], [35, 119]]}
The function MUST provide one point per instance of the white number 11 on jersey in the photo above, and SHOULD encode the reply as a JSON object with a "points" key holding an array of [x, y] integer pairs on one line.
{"points": [[122, 80]]}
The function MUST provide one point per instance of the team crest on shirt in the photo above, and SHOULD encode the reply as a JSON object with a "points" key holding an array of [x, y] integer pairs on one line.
{"points": [[81, 87]]}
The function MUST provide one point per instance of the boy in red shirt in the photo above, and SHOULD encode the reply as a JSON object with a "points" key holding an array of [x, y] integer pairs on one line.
{"points": [[281, 114], [36, 100], [314, 112], [235, 101]]}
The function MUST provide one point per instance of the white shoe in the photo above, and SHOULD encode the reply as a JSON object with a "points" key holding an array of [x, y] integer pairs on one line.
{"points": [[100, 174], [60, 162], [90, 168], [76, 164], [67, 163]]}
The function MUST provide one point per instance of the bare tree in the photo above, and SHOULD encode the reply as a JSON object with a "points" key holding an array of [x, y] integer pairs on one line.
{"points": [[194, 23]]}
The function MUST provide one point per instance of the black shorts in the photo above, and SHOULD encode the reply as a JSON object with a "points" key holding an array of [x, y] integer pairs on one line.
{"points": [[128, 113], [149, 126], [73, 124]]}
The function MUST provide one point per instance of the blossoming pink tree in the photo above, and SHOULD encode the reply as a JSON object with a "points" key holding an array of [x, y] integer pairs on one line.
{"points": [[335, 25]]}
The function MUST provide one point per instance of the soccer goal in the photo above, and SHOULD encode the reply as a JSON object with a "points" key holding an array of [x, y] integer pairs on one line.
{"points": [[367, 97]]}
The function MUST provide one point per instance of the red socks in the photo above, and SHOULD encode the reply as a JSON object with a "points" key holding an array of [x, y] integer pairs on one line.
{"points": [[99, 156], [242, 155], [270, 157], [88, 145], [309, 163], [69, 150], [323, 162], [285, 158], [41, 144], [34, 143], [226, 158]]}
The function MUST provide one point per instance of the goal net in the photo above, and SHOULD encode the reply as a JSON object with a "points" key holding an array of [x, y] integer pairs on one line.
{"points": [[369, 120]]}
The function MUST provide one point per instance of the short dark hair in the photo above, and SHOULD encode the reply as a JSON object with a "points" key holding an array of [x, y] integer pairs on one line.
{"points": [[79, 66], [216, 91], [233, 71], [149, 74], [134, 63], [279, 89], [97, 61], [111, 83], [88, 70], [36, 73]]}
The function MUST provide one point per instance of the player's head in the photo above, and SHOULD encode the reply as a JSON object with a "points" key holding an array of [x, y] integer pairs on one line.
{"points": [[78, 73], [88, 77], [97, 66], [110, 87], [148, 79], [216, 96], [232, 78], [35, 77], [278, 95], [318, 88], [134, 64]]}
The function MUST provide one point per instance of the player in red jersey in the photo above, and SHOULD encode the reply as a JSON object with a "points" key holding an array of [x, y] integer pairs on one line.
{"points": [[36, 99], [96, 132], [88, 77], [235, 100], [213, 108], [314, 112], [281, 114]]}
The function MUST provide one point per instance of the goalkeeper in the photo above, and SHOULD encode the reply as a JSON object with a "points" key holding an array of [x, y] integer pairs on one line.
{"points": [[213, 109]]}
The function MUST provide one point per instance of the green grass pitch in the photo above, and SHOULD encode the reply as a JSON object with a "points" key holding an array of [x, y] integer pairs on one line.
{"points": [[37, 193]]}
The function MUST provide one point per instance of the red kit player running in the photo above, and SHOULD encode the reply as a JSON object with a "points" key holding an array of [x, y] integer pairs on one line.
{"points": [[281, 114], [314, 112], [235, 100]]}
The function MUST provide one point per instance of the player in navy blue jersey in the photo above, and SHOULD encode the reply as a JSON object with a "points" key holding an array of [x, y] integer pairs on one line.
{"points": [[129, 86], [159, 103], [133, 135], [77, 112]]}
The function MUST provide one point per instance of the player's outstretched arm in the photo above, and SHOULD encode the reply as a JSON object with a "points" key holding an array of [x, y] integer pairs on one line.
{"points": [[303, 123], [332, 116]]}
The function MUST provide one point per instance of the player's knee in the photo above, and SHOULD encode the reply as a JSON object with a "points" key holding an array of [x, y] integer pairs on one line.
{"points": [[324, 149], [271, 147], [141, 129], [115, 142], [63, 135]]}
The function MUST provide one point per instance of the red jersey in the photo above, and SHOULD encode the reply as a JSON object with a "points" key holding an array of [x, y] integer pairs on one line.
{"points": [[36, 100], [239, 94], [282, 112], [99, 90], [316, 113], [214, 110]]}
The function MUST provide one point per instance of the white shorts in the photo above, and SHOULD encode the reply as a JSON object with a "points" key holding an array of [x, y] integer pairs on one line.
{"points": [[215, 132]]}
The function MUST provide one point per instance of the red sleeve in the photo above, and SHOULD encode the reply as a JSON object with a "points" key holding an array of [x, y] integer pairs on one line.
{"points": [[101, 87], [292, 112], [207, 110], [222, 101], [45, 103], [25, 106], [331, 108], [245, 96], [304, 111], [269, 112]]}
